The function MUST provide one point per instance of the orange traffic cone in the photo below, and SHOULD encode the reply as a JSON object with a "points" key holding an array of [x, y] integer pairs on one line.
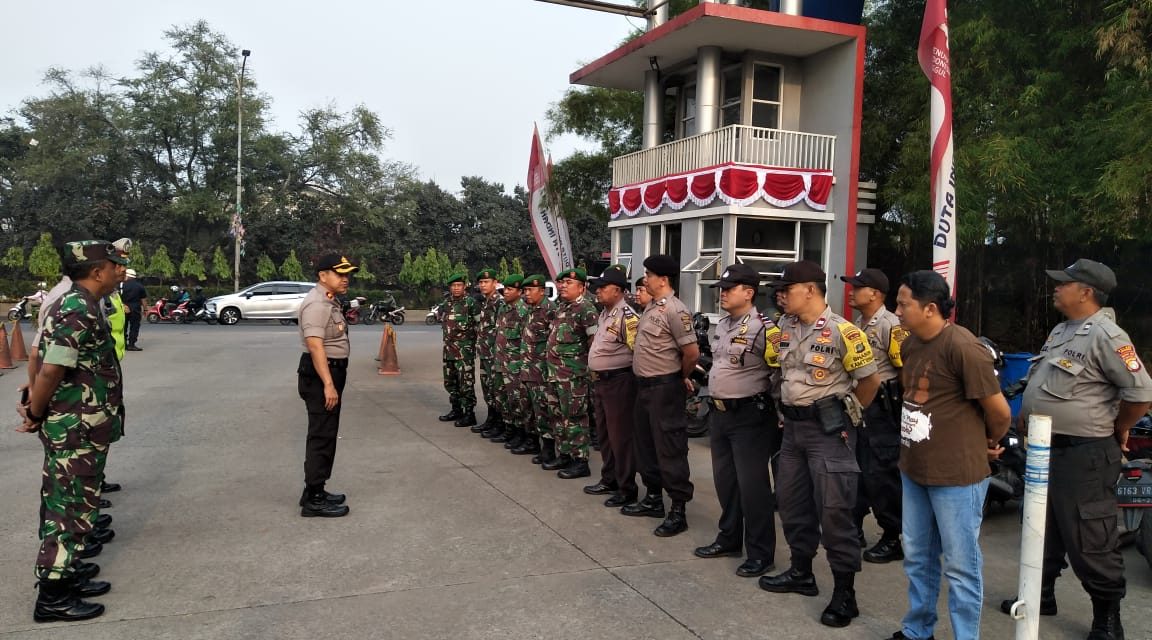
{"points": [[18, 350], [5, 355], [389, 362]]}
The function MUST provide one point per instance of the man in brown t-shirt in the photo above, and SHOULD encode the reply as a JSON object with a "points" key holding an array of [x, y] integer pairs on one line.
{"points": [[953, 414]]}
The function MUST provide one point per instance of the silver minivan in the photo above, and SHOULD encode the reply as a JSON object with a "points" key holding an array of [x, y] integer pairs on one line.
{"points": [[276, 300]]}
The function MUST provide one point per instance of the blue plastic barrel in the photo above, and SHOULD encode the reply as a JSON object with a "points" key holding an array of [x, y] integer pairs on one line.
{"points": [[1015, 367], [850, 11]]}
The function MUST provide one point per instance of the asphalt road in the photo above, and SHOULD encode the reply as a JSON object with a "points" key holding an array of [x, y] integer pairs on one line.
{"points": [[449, 536]]}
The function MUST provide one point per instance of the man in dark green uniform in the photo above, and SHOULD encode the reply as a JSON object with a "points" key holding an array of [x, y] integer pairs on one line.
{"points": [[534, 346], [569, 380], [485, 348], [461, 315]]}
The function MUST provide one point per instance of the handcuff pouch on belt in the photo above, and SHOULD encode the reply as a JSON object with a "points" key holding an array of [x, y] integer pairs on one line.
{"points": [[837, 415], [891, 397]]}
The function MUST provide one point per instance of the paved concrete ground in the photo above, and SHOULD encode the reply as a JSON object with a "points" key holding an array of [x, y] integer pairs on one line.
{"points": [[449, 536]]}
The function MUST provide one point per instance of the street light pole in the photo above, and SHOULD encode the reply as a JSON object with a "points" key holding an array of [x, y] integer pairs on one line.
{"points": [[237, 226]]}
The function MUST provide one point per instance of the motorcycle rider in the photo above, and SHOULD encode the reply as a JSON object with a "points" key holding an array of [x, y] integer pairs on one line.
{"points": [[176, 295]]}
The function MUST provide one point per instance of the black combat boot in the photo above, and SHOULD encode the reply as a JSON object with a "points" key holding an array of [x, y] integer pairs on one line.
{"points": [[332, 498], [547, 451], [797, 579], [109, 487], [516, 439], [578, 468], [675, 524], [89, 588], [85, 570], [652, 506], [492, 430], [885, 551], [467, 419], [102, 521], [529, 446], [619, 499], [842, 608], [455, 414], [104, 503], [1047, 601], [317, 505], [504, 435], [102, 536], [57, 601], [488, 420], [90, 550], [1106, 620], [557, 463]]}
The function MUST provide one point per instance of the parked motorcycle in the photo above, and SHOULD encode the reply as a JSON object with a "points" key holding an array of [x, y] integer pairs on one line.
{"points": [[1007, 479], [386, 311], [163, 311], [351, 309], [698, 404], [435, 314], [1134, 490]]}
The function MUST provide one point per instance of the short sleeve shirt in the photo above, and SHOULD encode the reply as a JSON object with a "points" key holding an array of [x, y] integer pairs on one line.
{"points": [[1084, 370], [744, 356], [821, 359], [321, 317], [615, 338], [664, 330], [884, 335]]}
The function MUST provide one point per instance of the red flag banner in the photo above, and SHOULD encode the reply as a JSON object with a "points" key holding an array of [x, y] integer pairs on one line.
{"points": [[935, 60], [550, 229]]}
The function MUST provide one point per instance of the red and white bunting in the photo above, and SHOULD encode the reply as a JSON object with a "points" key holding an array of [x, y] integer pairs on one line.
{"points": [[739, 184]]}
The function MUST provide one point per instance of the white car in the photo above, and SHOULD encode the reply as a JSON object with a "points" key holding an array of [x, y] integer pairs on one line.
{"points": [[276, 300]]}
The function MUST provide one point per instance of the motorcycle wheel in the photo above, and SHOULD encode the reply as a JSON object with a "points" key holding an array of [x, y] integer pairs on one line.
{"points": [[398, 319], [14, 314], [153, 318], [352, 318], [370, 318], [429, 319], [1144, 539]]}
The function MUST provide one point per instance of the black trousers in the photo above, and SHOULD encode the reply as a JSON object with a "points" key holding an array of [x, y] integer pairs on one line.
{"points": [[743, 441], [661, 444], [133, 316], [323, 425], [878, 453], [816, 491], [613, 403], [1081, 523]]}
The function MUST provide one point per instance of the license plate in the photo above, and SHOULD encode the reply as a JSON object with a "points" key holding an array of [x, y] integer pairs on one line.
{"points": [[1134, 491]]}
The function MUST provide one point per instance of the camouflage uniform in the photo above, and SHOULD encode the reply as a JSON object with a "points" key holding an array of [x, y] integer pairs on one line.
{"points": [[509, 360], [85, 415], [534, 337], [569, 380], [460, 319], [486, 347]]}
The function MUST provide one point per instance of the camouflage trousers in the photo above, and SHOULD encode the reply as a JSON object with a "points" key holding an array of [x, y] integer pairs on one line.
{"points": [[487, 384], [460, 383], [534, 405], [69, 504], [506, 392], [569, 415]]}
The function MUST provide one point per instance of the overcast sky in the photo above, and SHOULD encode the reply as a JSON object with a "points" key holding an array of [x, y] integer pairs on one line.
{"points": [[460, 82]]}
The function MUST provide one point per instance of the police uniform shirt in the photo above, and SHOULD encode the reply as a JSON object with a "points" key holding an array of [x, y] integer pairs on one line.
{"points": [[665, 328], [744, 356], [615, 338], [1084, 369], [320, 317], [821, 360], [884, 335]]}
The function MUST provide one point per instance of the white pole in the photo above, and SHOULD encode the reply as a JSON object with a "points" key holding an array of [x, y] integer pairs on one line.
{"points": [[1026, 610]]}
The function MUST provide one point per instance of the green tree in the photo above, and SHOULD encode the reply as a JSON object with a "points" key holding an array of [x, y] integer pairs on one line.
{"points": [[518, 268], [161, 265], [364, 274], [221, 268], [13, 258], [291, 268], [408, 275], [460, 267], [44, 261], [502, 270], [192, 266], [265, 268]]}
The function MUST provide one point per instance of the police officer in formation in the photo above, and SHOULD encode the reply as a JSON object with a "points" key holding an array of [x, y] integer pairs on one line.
{"points": [[878, 439], [1089, 379], [461, 316]]}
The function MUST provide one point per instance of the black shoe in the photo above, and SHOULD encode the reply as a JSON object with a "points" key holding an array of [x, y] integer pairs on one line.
{"points": [[132, 347], [899, 635], [577, 469], [89, 551], [109, 487], [104, 504], [491, 431], [101, 536], [557, 463], [454, 414], [317, 507], [102, 521], [717, 550], [754, 568], [547, 451], [842, 608], [331, 498], [88, 588], [480, 428], [791, 581], [466, 420], [885, 551], [529, 446], [1047, 603], [516, 440], [500, 437], [620, 499], [1106, 620], [652, 506], [601, 488], [675, 524], [58, 602], [85, 570]]}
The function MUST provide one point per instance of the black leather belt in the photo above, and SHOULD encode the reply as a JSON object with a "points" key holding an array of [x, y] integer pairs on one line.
{"points": [[731, 404], [641, 381], [799, 413], [1061, 441], [337, 363], [597, 376]]}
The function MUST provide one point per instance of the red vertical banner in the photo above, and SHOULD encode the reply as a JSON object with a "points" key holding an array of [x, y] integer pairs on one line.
{"points": [[935, 61], [550, 229]]}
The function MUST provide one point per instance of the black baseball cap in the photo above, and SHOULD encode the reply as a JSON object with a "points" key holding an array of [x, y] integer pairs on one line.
{"points": [[803, 271], [1094, 274], [613, 275], [874, 278], [337, 263], [662, 265], [738, 274]]}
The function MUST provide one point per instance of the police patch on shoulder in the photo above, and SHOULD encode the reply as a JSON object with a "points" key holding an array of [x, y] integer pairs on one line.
{"points": [[1127, 353]]}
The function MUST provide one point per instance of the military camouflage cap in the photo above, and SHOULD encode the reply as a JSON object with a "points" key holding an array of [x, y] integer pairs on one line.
{"points": [[87, 251], [534, 281], [487, 273], [574, 274], [457, 277], [513, 280]]}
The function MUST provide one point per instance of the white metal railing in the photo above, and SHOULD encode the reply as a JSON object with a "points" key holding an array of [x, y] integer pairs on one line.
{"points": [[735, 143]]}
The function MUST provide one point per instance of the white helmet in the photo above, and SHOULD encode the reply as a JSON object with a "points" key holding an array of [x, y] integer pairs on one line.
{"points": [[41, 285], [174, 288]]}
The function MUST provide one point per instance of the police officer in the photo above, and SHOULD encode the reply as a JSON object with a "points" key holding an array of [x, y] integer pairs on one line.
{"points": [[744, 431], [322, 372], [666, 353], [461, 315], [878, 440], [534, 345], [75, 405], [485, 349], [821, 354], [1092, 383], [569, 382], [614, 388]]}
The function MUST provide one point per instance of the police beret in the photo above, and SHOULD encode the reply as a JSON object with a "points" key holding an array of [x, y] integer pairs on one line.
{"points": [[738, 273], [486, 273], [663, 265], [803, 271], [86, 251], [337, 263], [874, 278], [573, 274], [513, 280], [459, 276], [534, 281], [616, 274]]}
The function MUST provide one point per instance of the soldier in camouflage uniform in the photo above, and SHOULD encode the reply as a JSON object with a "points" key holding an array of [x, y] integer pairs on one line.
{"points": [[485, 348], [534, 347], [75, 404], [461, 315], [509, 324], [569, 381]]}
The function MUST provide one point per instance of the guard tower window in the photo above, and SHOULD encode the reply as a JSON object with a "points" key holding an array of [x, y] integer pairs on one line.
{"points": [[624, 248], [766, 96], [733, 89], [688, 111]]}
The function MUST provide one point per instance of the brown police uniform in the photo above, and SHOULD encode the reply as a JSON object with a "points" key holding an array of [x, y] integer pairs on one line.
{"points": [[320, 317], [614, 395]]}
